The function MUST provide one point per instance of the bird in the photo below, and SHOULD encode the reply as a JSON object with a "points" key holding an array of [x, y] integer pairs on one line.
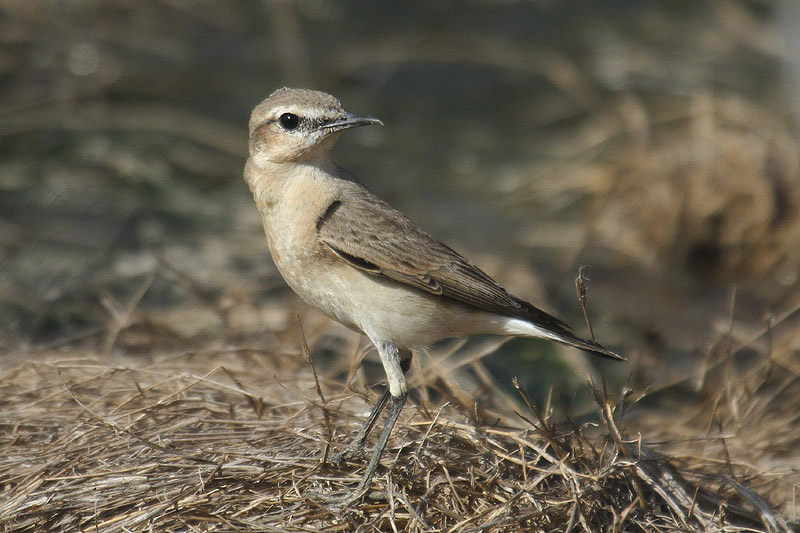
{"points": [[365, 264]]}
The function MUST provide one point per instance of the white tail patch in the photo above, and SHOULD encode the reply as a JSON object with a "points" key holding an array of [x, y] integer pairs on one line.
{"points": [[522, 328]]}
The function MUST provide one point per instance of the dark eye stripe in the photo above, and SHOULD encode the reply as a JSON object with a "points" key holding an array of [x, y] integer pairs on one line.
{"points": [[293, 122]]}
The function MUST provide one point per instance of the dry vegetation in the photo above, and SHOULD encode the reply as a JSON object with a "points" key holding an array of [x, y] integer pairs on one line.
{"points": [[231, 439], [152, 376]]}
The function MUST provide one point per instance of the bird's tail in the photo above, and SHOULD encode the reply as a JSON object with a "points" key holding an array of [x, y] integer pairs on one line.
{"points": [[524, 328]]}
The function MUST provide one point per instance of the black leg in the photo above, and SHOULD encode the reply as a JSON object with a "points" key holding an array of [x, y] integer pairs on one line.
{"points": [[366, 429], [394, 413], [396, 362], [355, 447], [347, 498]]}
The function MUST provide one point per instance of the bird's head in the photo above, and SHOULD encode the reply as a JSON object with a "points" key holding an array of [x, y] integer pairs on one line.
{"points": [[294, 125]]}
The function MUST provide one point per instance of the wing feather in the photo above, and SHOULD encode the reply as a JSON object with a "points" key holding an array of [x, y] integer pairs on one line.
{"points": [[372, 236]]}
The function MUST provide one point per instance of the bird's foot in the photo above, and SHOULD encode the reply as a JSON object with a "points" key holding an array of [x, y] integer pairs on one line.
{"points": [[353, 452], [338, 500]]}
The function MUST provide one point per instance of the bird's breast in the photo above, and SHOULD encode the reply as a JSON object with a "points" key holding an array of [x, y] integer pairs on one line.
{"points": [[382, 308]]}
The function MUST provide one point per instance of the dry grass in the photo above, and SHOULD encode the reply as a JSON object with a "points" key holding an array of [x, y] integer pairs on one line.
{"points": [[231, 439], [651, 142]]}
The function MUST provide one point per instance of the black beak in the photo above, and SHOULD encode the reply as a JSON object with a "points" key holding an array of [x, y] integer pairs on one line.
{"points": [[348, 121]]}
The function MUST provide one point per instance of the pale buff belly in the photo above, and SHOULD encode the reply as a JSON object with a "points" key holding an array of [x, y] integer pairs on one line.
{"points": [[384, 309]]}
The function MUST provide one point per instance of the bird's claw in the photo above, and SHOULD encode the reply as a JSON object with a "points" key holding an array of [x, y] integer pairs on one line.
{"points": [[351, 453]]}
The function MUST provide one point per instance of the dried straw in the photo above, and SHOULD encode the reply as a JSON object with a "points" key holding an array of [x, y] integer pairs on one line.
{"points": [[197, 441]]}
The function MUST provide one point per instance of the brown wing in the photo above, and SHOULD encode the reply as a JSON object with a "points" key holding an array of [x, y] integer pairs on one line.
{"points": [[376, 238]]}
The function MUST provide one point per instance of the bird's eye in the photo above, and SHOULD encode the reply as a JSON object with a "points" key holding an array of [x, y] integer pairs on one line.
{"points": [[289, 121]]}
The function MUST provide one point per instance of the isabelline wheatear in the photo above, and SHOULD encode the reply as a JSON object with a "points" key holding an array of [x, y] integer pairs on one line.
{"points": [[351, 255]]}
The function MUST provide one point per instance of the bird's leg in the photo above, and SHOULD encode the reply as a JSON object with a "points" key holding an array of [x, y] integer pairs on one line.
{"points": [[394, 412], [395, 368], [366, 429], [356, 448], [363, 485]]}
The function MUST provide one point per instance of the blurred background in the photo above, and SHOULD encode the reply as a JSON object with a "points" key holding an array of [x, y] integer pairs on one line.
{"points": [[652, 141]]}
